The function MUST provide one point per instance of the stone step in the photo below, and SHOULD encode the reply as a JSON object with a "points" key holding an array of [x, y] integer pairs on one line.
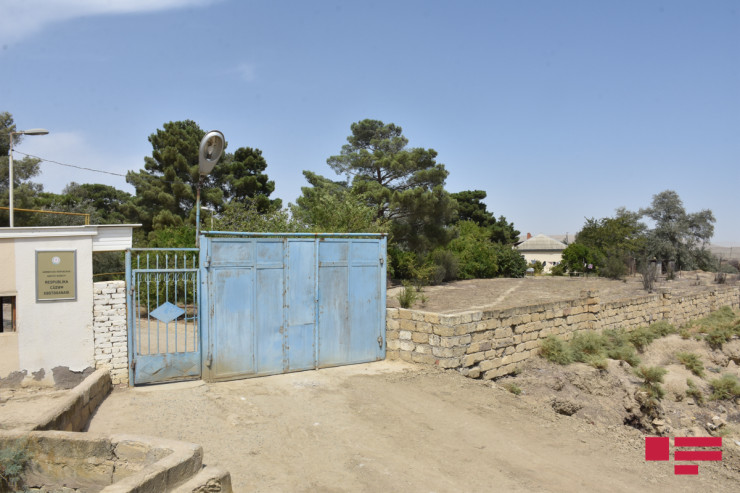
{"points": [[210, 479]]}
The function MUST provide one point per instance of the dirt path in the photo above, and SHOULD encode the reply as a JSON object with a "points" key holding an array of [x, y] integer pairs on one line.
{"points": [[390, 426]]}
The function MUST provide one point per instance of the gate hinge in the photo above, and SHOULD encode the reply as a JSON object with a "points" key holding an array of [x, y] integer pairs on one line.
{"points": [[207, 263], [381, 260], [132, 365], [131, 291], [380, 342], [209, 360]]}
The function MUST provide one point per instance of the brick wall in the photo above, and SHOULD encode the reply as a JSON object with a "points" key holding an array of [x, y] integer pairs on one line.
{"points": [[490, 344], [109, 326]]}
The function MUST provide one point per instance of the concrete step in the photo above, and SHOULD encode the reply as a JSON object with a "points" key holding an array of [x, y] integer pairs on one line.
{"points": [[210, 479]]}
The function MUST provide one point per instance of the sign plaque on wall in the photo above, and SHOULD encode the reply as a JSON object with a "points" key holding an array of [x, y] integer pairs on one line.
{"points": [[56, 275]]}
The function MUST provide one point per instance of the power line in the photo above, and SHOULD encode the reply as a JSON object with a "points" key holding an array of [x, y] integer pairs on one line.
{"points": [[69, 165]]}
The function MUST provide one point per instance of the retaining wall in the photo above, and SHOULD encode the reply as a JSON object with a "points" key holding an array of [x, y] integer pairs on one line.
{"points": [[109, 329], [492, 343]]}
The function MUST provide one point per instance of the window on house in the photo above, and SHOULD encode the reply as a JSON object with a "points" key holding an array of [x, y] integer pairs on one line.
{"points": [[8, 309]]}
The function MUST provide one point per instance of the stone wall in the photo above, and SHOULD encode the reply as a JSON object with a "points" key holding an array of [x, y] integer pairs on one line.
{"points": [[490, 344], [73, 411], [109, 327]]}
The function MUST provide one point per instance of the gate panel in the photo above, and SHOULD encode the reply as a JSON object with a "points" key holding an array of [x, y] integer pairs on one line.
{"points": [[315, 301], [334, 326], [300, 305], [364, 304], [269, 319], [162, 294], [232, 308]]}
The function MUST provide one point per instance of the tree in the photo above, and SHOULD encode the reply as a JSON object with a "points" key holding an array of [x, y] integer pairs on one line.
{"points": [[241, 178], [622, 233], [165, 188], [617, 240], [470, 207], [677, 235], [403, 185], [329, 206], [577, 257], [24, 169], [109, 205]]}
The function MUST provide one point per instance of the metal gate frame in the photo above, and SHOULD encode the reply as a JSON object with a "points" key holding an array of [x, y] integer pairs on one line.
{"points": [[208, 304], [167, 365]]}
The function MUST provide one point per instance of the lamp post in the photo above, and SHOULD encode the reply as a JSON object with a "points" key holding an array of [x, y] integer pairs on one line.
{"points": [[211, 147], [211, 210], [33, 131]]}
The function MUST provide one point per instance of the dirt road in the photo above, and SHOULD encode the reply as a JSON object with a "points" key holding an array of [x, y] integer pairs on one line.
{"points": [[391, 426]]}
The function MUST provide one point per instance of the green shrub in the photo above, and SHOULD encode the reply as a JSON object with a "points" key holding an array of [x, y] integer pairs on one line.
{"points": [[725, 387], [662, 329], [558, 270], [537, 266], [652, 377], [408, 295], [641, 338], [586, 345], [510, 262], [692, 363], [402, 264], [718, 336], [624, 352], [474, 251], [13, 461], [446, 266], [694, 392], [598, 361], [556, 350], [613, 268], [513, 388], [725, 317]]}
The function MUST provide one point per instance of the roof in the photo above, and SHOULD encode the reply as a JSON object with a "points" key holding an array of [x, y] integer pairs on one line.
{"points": [[541, 242]]}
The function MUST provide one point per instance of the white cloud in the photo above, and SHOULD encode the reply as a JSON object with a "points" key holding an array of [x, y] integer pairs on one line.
{"points": [[22, 18], [76, 149]]}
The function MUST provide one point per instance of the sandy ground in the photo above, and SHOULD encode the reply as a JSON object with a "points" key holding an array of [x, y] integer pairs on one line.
{"points": [[478, 294], [391, 426]]}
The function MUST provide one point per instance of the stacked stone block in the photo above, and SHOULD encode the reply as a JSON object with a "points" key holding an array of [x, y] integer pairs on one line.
{"points": [[109, 325], [490, 344]]}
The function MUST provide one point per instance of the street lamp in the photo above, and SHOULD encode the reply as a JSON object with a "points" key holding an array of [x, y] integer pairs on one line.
{"points": [[32, 131], [211, 147]]}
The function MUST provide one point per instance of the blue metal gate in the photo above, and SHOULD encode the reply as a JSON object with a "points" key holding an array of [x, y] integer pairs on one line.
{"points": [[286, 302], [162, 303]]}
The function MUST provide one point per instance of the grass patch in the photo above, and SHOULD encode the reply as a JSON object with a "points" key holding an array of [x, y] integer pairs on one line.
{"points": [[694, 392], [513, 388], [692, 363], [408, 295], [718, 327], [591, 348], [725, 387]]}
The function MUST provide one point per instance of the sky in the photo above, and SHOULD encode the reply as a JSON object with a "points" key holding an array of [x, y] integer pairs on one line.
{"points": [[560, 111]]}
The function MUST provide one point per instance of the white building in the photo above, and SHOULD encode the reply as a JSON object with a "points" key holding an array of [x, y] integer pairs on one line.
{"points": [[46, 296], [543, 248]]}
